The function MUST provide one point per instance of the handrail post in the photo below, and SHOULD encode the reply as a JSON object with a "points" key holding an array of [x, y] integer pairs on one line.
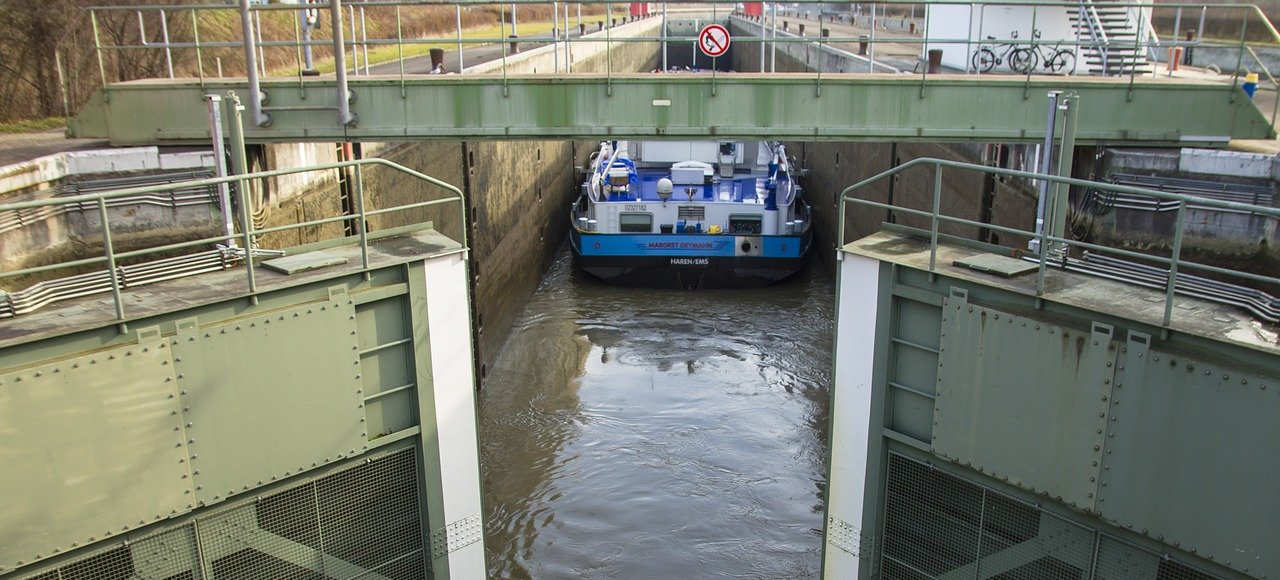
{"points": [[1235, 74], [1172, 282], [1046, 158], [457, 15], [933, 220], [97, 49], [400, 51], [164, 35], [195, 38], [1066, 158], [502, 36], [220, 166], [608, 50], [362, 226], [1026, 85], [240, 165], [251, 66], [340, 64], [111, 261]]}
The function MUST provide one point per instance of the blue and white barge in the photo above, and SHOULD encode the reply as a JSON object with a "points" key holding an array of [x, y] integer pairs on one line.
{"points": [[691, 214]]}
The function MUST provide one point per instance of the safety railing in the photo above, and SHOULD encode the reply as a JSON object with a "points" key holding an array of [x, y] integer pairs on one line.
{"points": [[1168, 276], [50, 291], [969, 32]]}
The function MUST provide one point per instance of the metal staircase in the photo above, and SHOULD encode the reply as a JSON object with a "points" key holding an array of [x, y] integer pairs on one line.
{"points": [[1112, 36]]}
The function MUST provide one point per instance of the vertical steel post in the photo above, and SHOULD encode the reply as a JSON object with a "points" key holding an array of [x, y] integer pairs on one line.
{"points": [[457, 14], [262, 51], [340, 64], [968, 35], [400, 52], [665, 32], [1177, 31], [363, 225], [773, 46], [307, 54], [924, 74], [298, 19], [933, 219], [1050, 126], [1066, 157], [364, 40], [1235, 74], [164, 35], [240, 165], [97, 49], [608, 49], [514, 32], [502, 36], [220, 166], [568, 55], [555, 36], [871, 50], [764, 33], [1133, 66], [62, 83], [251, 65], [355, 42], [195, 38], [1172, 282], [111, 258]]}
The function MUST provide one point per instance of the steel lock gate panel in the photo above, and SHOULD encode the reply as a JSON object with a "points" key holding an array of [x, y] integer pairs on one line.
{"points": [[1211, 492], [99, 438], [270, 395], [1023, 400]]}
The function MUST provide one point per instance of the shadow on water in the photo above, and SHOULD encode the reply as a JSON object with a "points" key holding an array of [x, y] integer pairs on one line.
{"points": [[641, 433]]}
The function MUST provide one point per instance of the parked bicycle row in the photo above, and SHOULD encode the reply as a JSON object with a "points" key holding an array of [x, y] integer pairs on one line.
{"points": [[1022, 58]]}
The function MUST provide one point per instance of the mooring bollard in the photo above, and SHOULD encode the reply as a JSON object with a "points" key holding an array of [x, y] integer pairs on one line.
{"points": [[935, 61]]}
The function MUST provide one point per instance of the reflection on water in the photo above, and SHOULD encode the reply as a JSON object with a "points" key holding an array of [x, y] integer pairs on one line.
{"points": [[639, 433]]}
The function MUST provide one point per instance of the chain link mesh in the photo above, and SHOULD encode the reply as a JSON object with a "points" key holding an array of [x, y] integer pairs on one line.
{"points": [[360, 523], [940, 526]]}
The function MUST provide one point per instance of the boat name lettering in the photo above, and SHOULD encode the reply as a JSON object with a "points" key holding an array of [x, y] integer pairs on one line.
{"points": [[682, 245], [635, 207], [690, 261]]}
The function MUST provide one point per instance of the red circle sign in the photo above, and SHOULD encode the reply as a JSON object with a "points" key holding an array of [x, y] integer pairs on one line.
{"points": [[713, 40]]}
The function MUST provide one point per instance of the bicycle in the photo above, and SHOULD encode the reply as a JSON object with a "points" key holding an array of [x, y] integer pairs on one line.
{"points": [[1021, 60], [1056, 59]]}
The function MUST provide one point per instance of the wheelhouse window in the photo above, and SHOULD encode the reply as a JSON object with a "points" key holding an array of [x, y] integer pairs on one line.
{"points": [[635, 222], [744, 224]]}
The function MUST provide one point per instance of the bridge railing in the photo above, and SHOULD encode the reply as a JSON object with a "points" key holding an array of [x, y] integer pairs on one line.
{"points": [[1057, 250], [232, 247], [980, 20]]}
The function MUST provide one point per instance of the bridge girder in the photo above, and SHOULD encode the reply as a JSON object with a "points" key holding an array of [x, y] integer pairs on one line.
{"points": [[834, 107]]}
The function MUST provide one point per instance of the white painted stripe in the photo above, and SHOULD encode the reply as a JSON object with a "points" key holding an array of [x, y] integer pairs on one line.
{"points": [[454, 386], [851, 408]]}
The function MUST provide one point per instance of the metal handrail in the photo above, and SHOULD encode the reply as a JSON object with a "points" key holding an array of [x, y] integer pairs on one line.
{"points": [[246, 236], [1141, 45], [1173, 263]]}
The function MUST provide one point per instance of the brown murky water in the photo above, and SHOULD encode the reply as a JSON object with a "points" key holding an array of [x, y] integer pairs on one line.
{"points": [[639, 433]]}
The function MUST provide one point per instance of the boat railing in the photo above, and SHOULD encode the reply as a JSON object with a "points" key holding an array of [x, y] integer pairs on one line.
{"points": [[231, 247], [1098, 257]]}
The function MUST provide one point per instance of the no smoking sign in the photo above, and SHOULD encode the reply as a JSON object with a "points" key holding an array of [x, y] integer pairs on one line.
{"points": [[713, 40]]}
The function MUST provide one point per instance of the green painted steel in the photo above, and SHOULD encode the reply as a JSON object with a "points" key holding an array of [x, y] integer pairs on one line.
{"points": [[301, 370], [1201, 434], [1023, 399], [870, 107], [272, 411], [1139, 457], [91, 449]]}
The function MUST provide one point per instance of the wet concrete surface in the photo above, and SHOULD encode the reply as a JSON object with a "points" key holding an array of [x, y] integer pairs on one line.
{"points": [[640, 433]]}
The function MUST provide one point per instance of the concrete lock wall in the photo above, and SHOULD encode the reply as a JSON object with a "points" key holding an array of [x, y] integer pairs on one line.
{"points": [[835, 166], [33, 238], [587, 56], [795, 56]]}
